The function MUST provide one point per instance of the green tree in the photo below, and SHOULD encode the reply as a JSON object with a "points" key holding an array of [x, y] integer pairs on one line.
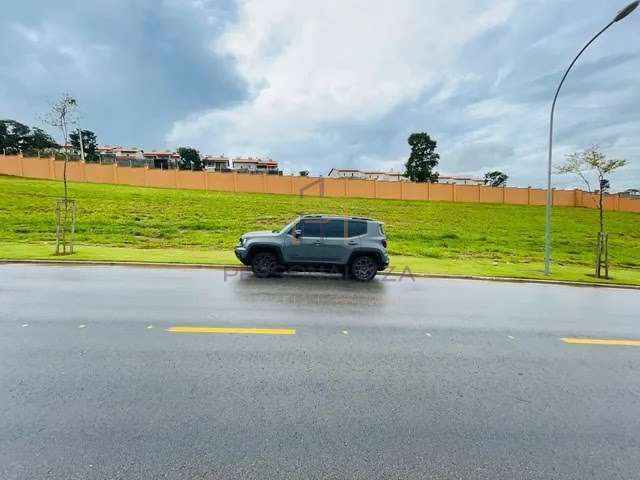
{"points": [[40, 140], [89, 143], [3, 135], [496, 179], [14, 136], [423, 159], [189, 159]]}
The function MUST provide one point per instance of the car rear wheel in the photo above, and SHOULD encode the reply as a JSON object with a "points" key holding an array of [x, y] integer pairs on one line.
{"points": [[264, 264], [364, 268]]}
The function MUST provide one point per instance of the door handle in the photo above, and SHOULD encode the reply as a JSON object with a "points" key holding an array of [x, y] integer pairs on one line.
{"points": [[317, 243], [352, 242]]}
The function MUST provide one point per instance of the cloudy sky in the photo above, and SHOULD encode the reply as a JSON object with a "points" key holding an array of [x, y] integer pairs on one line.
{"points": [[338, 83]]}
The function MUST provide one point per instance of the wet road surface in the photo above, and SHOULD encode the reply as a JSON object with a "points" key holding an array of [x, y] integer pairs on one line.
{"points": [[393, 379]]}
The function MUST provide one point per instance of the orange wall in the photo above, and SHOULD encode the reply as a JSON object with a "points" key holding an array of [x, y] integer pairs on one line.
{"points": [[392, 190], [99, 173], [221, 182], [441, 192], [131, 176], [10, 165], [278, 184], [630, 205], [563, 198], [36, 168], [538, 196], [307, 186], [331, 187], [467, 193], [516, 196], [360, 188], [190, 180], [161, 178], [415, 191], [249, 183], [589, 200], [492, 195], [75, 170], [335, 187]]}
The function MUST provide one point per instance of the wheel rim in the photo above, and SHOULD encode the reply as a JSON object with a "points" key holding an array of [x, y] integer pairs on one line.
{"points": [[363, 268], [264, 264]]}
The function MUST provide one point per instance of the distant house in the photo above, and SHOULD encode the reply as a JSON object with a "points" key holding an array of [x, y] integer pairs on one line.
{"points": [[216, 163], [120, 155], [631, 192], [460, 180], [255, 165], [386, 176], [396, 176], [366, 175], [161, 159]]}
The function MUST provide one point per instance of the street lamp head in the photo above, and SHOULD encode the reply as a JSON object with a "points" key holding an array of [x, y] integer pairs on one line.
{"points": [[626, 10]]}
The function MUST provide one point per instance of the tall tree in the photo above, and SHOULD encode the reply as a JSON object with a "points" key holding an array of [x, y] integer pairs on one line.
{"points": [[39, 140], [423, 159], [495, 179], [190, 159], [4, 130], [63, 115], [589, 163], [14, 136], [89, 143]]}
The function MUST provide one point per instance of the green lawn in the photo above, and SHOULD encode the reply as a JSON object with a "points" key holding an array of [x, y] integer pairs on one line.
{"points": [[145, 224]]}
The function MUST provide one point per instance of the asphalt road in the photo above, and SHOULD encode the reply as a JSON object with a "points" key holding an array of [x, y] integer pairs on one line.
{"points": [[394, 379]]}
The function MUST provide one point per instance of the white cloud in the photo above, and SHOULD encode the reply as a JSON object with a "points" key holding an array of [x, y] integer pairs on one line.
{"points": [[333, 62]]}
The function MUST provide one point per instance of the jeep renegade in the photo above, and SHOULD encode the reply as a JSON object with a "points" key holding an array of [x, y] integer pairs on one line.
{"points": [[355, 246]]}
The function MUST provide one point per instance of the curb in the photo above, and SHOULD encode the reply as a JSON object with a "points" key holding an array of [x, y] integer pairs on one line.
{"points": [[240, 267]]}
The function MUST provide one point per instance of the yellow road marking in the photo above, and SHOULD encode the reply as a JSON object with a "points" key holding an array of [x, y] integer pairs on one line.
{"points": [[241, 331], [601, 341]]}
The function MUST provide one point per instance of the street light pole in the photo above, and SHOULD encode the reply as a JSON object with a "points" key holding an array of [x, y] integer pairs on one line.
{"points": [[81, 144], [547, 251]]}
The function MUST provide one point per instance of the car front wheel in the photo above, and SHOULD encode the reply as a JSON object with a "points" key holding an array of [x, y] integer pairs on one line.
{"points": [[364, 268], [264, 264]]}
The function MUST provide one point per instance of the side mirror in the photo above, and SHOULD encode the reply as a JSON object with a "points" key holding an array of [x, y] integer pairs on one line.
{"points": [[297, 233]]}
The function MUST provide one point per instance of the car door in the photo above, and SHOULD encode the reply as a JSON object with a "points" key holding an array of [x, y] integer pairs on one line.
{"points": [[336, 240], [309, 245]]}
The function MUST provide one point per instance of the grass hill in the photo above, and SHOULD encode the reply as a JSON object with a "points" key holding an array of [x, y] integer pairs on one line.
{"points": [[146, 224]]}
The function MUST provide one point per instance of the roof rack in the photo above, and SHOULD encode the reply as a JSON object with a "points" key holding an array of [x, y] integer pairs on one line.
{"points": [[320, 215]]}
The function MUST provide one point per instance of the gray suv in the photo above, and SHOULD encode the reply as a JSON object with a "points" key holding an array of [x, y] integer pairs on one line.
{"points": [[354, 246]]}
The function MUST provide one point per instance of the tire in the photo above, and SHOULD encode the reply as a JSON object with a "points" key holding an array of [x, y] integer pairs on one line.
{"points": [[363, 268], [264, 264]]}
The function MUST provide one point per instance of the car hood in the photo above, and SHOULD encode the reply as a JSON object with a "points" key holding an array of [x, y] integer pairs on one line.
{"points": [[265, 233]]}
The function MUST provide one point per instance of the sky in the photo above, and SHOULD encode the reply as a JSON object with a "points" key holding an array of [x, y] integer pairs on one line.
{"points": [[338, 83]]}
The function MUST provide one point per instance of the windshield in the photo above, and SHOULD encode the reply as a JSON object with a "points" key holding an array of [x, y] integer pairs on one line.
{"points": [[289, 227]]}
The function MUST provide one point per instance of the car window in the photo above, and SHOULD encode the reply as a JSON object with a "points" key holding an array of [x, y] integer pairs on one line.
{"points": [[289, 228], [357, 228], [336, 229], [312, 228]]}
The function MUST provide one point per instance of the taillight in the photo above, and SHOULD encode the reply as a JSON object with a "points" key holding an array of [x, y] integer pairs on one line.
{"points": [[384, 242]]}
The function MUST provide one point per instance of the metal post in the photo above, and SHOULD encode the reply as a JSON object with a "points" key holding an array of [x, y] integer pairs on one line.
{"points": [[547, 251], [547, 248], [81, 144]]}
